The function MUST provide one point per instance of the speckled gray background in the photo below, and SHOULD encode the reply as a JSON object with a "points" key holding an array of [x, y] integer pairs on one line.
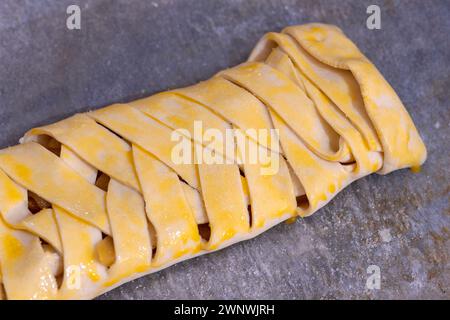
{"points": [[130, 49]]}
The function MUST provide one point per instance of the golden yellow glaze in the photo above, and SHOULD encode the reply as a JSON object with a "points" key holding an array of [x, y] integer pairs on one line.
{"points": [[224, 200], [106, 252], [95, 144], [337, 84], [416, 169], [173, 220], [43, 224], [25, 273], [401, 144], [281, 203], [13, 200], [42, 172], [145, 132], [235, 105], [82, 270], [132, 246], [291, 220], [97, 199]]}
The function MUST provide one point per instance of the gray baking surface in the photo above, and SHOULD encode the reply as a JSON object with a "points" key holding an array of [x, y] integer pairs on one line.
{"points": [[131, 49]]}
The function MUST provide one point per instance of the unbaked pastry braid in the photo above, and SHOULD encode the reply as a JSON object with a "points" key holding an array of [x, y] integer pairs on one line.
{"points": [[96, 200]]}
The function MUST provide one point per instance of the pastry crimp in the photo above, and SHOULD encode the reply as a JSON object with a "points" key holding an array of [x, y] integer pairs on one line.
{"points": [[97, 199]]}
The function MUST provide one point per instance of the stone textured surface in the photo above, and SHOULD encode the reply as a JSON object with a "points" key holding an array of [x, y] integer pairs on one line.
{"points": [[130, 49]]}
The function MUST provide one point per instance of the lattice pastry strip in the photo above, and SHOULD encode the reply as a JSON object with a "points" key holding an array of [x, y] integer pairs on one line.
{"points": [[233, 104], [26, 273], [82, 270], [132, 244], [401, 143], [94, 144], [339, 85], [152, 136], [366, 160], [174, 221], [285, 98], [267, 211], [96, 200], [179, 113], [42, 172]]}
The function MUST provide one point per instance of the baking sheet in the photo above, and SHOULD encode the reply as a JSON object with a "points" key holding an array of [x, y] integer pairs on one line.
{"points": [[131, 49]]}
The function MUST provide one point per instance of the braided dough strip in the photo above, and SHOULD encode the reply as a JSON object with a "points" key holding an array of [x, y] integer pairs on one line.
{"points": [[96, 200]]}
